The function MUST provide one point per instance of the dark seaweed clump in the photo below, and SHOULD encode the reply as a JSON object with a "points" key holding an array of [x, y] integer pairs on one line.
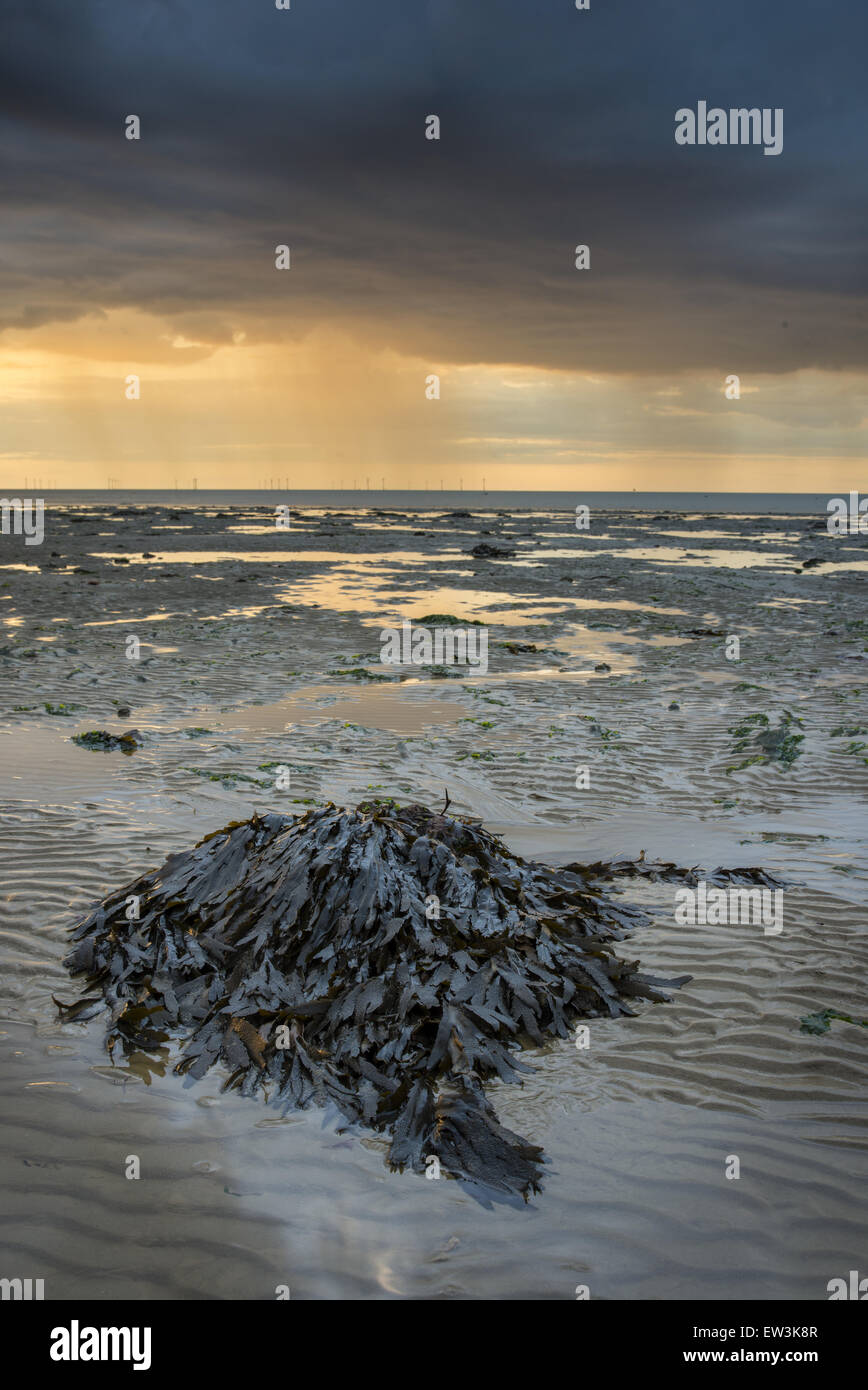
{"points": [[389, 960]]}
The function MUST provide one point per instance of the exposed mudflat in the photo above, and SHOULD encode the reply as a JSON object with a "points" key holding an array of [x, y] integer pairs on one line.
{"points": [[260, 651]]}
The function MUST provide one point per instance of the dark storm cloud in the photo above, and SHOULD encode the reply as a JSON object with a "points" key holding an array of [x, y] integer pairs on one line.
{"points": [[307, 127]]}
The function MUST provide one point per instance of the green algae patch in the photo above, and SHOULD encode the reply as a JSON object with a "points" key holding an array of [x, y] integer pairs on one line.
{"points": [[819, 1022], [444, 673], [766, 744], [445, 620], [360, 673], [855, 733], [100, 741], [227, 778], [594, 727]]}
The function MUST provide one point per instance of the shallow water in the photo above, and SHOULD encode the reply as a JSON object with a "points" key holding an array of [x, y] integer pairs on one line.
{"points": [[233, 1200]]}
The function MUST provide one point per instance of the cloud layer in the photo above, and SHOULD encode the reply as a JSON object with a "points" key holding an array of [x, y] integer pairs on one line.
{"points": [[307, 127]]}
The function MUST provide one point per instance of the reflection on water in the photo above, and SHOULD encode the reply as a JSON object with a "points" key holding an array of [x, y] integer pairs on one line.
{"points": [[122, 622], [263, 557], [724, 559], [354, 595], [767, 536], [377, 709]]}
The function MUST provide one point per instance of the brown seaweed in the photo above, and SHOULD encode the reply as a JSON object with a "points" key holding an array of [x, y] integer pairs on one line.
{"points": [[388, 960]]}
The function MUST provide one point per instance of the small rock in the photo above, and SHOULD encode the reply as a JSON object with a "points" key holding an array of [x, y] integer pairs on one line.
{"points": [[484, 551]]}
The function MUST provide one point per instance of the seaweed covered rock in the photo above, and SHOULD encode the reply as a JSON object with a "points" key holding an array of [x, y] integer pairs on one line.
{"points": [[389, 960], [100, 740], [766, 744]]}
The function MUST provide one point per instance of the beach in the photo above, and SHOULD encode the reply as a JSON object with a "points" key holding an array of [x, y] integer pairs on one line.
{"points": [[610, 650]]}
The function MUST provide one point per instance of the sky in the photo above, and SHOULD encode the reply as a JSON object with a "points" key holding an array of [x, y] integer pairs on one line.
{"points": [[413, 258]]}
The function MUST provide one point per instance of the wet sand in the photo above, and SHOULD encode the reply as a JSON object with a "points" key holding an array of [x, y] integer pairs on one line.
{"points": [[247, 638]]}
